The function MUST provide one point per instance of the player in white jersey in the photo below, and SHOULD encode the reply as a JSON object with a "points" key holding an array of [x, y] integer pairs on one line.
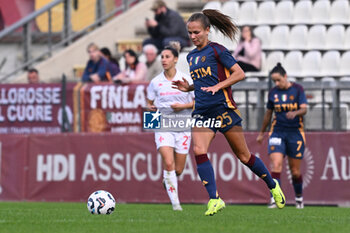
{"points": [[173, 144]]}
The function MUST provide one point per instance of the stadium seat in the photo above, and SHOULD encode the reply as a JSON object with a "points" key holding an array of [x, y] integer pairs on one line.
{"points": [[279, 37], [216, 5], [298, 37], [313, 119], [266, 12], [340, 12], [292, 63], [182, 64], [321, 11], [248, 13], [239, 97], [264, 34], [317, 37], [273, 58], [312, 63], [284, 12], [335, 37], [344, 96], [231, 8], [303, 12], [347, 38], [330, 63], [327, 79], [344, 68], [225, 41]]}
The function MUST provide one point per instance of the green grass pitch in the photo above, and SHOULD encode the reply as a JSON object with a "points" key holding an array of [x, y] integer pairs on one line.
{"points": [[74, 217]]}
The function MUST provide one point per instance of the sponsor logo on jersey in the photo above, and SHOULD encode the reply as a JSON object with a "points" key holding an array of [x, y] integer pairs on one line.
{"points": [[275, 141]]}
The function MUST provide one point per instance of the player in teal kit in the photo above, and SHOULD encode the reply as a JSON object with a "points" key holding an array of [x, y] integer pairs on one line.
{"points": [[289, 103], [214, 70]]}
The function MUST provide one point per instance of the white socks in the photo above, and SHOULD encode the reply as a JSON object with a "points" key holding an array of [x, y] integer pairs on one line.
{"points": [[170, 181]]}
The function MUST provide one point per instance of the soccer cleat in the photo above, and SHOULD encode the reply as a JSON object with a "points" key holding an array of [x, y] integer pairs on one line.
{"points": [[214, 206], [278, 195], [177, 207], [299, 204], [272, 204]]}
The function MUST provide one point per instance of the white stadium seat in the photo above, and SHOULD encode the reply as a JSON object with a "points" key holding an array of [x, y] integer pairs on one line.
{"points": [[218, 37], [284, 12], [298, 37], [344, 68], [335, 37], [330, 63], [248, 13], [182, 64], [215, 5], [266, 12], [321, 11], [292, 63], [302, 12], [272, 59], [347, 38], [231, 8], [312, 63], [316, 37], [279, 37], [340, 12], [264, 34]]}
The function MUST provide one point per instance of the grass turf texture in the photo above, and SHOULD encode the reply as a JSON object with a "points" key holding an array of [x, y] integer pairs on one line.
{"points": [[74, 217]]}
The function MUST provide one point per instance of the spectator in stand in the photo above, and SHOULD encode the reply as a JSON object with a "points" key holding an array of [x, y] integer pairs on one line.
{"points": [[167, 26], [135, 71], [113, 65], [248, 51], [33, 76], [96, 69], [153, 65]]}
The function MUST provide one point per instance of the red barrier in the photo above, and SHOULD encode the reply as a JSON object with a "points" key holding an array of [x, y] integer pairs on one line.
{"points": [[26, 108], [68, 167], [111, 108]]}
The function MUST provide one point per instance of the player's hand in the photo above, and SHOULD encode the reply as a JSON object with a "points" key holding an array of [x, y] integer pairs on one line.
{"points": [[260, 138], [212, 89], [177, 107], [181, 85], [291, 115], [152, 23], [151, 107]]}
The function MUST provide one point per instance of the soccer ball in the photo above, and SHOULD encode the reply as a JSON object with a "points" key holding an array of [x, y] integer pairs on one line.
{"points": [[101, 202]]}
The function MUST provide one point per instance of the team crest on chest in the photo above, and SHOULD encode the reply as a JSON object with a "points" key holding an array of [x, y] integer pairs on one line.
{"points": [[291, 97], [203, 58], [276, 98]]}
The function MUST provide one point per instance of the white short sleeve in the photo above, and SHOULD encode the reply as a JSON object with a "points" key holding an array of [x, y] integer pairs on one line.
{"points": [[151, 92]]}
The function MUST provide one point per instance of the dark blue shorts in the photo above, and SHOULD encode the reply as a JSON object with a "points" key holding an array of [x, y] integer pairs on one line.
{"points": [[227, 116], [287, 142]]}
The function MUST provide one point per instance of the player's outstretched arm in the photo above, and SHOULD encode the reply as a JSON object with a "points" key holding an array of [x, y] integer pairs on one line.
{"points": [[182, 85]]}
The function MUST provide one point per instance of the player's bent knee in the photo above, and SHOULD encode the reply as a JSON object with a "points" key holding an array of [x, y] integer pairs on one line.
{"points": [[197, 150]]}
